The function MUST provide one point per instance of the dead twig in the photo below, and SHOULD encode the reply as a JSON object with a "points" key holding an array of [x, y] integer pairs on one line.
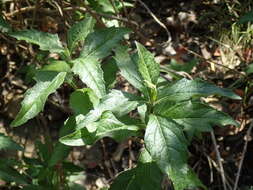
{"points": [[223, 178], [157, 21], [243, 155], [211, 62]]}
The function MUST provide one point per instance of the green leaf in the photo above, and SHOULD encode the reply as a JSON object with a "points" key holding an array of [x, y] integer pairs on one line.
{"points": [[9, 174], [79, 31], [248, 17], [146, 176], [110, 70], [107, 126], [57, 66], [185, 89], [7, 144], [118, 102], [249, 69], [129, 68], [147, 66], [60, 152], [186, 67], [35, 97], [165, 141], [4, 26], [194, 116], [90, 72], [46, 41], [99, 43], [82, 100]]}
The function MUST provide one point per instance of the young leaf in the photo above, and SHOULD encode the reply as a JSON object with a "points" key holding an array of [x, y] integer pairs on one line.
{"points": [[185, 89], [35, 97], [129, 69], [99, 43], [79, 31], [90, 72], [167, 145], [146, 176], [107, 126], [147, 66], [46, 41], [7, 144]]}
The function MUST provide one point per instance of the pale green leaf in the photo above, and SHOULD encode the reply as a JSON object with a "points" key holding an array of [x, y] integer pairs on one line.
{"points": [[6, 143], [35, 97], [99, 43], [107, 126], [46, 41], [185, 89], [90, 72], [147, 66], [79, 31], [57, 66]]}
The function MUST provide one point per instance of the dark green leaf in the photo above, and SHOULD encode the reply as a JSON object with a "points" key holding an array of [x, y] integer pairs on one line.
{"points": [[79, 31], [9, 174], [35, 97], [146, 176], [186, 89], [110, 70], [82, 101], [4, 26], [248, 17], [99, 43], [46, 41], [7, 144], [195, 117], [129, 68], [59, 153], [147, 66], [167, 146], [107, 126], [90, 72], [249, 69]]}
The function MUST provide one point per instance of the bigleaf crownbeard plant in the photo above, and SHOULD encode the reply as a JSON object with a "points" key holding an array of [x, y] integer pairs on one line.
{"points": [[170, 113]]}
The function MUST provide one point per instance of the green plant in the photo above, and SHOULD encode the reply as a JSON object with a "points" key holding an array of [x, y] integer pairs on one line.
{"points": [[170, 113]]}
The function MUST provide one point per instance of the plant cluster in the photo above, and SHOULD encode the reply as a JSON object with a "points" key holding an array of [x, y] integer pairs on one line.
{"points": [[169, 114]]}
